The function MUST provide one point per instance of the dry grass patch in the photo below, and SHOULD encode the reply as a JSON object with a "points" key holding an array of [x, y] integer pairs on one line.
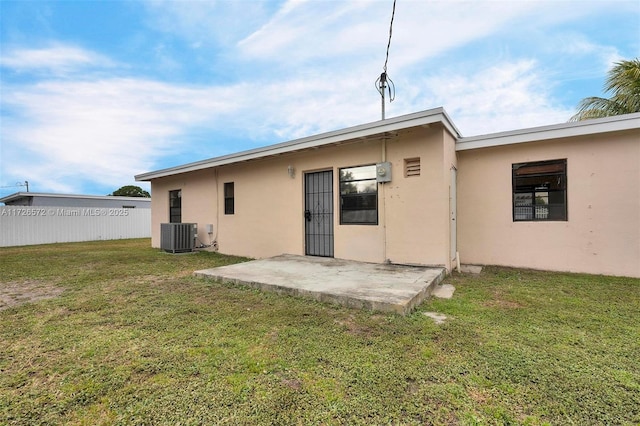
{"points": [[15, 293]]}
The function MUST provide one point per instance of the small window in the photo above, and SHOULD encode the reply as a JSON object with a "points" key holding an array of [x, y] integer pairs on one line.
{"points": [[229, 207], [175, 206], [540, 191], [359, 195], [411, 167]]}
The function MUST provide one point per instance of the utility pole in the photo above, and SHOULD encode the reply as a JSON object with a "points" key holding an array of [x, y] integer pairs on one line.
{"points": [[382, 85]]}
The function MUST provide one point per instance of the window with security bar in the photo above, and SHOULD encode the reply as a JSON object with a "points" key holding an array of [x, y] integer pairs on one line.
{"points": [[540, 191]]}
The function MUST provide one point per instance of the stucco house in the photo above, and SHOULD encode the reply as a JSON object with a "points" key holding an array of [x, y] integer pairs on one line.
{"points": [[412, 190]]}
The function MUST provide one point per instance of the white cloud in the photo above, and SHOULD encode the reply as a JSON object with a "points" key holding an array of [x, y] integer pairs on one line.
{"points": [[302, 30], [207, 23], [598, 58], [56, 58], [102, 130], [506, 96]]}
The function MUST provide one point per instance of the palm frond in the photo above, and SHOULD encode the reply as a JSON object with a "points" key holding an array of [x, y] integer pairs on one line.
{"points": [[594, 107], [623, 83], [624, 78]]}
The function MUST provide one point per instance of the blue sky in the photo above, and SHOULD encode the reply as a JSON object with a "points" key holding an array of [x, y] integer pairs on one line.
{"points": [[95, 92]]}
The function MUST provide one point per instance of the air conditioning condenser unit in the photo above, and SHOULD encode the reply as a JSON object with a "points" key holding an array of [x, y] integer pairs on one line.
{"points": [[178, 237]]}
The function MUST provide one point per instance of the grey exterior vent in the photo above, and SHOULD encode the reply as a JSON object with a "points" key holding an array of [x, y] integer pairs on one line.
{"points": [[178, 237], [411, 167]]}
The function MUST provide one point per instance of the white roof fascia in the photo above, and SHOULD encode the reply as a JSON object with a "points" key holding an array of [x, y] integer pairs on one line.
{"points": [[89, 197], [557, 131], [363, 131]]}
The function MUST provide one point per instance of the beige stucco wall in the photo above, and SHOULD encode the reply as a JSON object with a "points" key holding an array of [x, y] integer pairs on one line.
{"points": [[418, 207], [602, 233], [269, 205], [198, 189]]}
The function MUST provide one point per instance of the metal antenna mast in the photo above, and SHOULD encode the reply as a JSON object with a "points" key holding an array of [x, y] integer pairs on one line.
{"points": [[26, 183], [384, 83]]}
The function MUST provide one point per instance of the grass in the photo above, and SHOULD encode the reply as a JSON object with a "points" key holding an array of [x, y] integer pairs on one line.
{"points": [[134, 338]]}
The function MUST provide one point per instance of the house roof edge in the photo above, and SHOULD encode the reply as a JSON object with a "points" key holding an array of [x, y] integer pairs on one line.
{"points": [[18, 195], [556, 131], [421, 118]]}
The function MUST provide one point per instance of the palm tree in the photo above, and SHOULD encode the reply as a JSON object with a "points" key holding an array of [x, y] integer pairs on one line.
{"points": [[624, 83]]}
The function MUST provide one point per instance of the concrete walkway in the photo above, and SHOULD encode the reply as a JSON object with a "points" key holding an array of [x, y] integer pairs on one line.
{"points": [[379, 287]]}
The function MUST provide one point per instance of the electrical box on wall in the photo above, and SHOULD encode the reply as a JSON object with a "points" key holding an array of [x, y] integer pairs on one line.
{"points": [[383, 172]]}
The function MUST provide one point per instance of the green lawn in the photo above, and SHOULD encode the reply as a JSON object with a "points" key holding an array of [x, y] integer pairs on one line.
{"points": [[133, 338]]}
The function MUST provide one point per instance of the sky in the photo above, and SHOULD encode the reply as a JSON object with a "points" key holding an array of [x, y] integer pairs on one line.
{"points": [[94, 92]]}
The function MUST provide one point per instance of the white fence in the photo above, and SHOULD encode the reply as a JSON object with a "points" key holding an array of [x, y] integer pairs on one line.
{"points": [[21, 226]]}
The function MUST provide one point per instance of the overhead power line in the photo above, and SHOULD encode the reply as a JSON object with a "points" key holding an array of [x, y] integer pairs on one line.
{"points": [[26, 183], [393, 14], [384, 83]]}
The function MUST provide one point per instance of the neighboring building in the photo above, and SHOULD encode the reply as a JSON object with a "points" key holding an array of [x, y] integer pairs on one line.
{"points": [[412, 190], [38, 199], [29, 218]]}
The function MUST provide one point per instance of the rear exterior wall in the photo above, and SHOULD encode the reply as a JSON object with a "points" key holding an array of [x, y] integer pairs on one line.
{"points": [[602, 233], [268, 219]]}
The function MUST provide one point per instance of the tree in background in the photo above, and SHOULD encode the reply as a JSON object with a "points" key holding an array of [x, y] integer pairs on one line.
{"points": [[131, 191], [624, 84]]}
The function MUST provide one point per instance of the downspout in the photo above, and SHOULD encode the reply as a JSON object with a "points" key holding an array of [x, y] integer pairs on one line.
{"points": [[383, 159], [214, 243], [384, 202]]}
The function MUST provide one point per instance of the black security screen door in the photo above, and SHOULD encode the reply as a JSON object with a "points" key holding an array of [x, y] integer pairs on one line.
{"points": [[318, 213]]}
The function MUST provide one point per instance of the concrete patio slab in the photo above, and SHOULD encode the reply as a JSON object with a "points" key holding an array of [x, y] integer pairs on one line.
{"points": [[378, 287]]}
